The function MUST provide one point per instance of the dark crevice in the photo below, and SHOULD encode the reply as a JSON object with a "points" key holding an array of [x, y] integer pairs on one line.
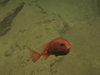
{"points": [[65, 29], [5, 25], [3, 3], [98, 4]]}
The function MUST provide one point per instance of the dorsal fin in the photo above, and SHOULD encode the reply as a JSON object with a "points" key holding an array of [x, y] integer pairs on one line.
{"points": [[45, 47]]}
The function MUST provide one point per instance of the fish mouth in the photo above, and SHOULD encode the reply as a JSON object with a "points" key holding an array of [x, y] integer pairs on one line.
{"points": [[68, 48]]}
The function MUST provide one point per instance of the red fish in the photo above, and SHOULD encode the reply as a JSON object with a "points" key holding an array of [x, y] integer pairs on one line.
{"points": [[57, 47]]}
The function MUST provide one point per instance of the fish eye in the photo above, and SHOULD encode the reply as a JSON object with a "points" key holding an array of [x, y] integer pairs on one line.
{"points": [[62, 44]]}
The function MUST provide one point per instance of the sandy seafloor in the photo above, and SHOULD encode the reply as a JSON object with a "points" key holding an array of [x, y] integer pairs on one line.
{"points": [[29, 24]]}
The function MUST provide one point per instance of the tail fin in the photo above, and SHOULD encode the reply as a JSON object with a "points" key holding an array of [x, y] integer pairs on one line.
{"points": [[35, 55]]}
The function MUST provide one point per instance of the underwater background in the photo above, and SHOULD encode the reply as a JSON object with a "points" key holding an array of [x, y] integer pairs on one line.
{"points": [[29, 24]]}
